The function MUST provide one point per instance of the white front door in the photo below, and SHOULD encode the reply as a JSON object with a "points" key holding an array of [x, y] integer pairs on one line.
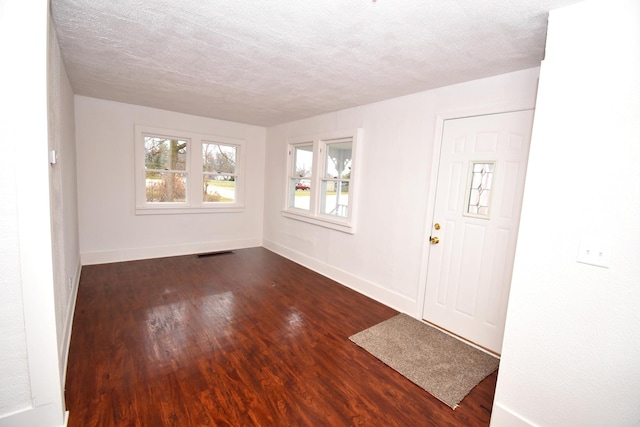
{"points": [[481, 173]]}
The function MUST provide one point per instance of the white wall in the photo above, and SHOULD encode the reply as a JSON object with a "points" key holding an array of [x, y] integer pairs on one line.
{"points": [[15, 392], [571, 353], [385, 258], [30, 376], [110, 230], [64, 197]]}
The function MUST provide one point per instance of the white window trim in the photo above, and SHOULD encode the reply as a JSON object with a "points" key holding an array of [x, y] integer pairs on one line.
{"points": [[194, 203], [313, 215]]}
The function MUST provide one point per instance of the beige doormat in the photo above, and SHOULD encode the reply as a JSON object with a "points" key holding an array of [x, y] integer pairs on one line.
{"points": [[439, 363]]}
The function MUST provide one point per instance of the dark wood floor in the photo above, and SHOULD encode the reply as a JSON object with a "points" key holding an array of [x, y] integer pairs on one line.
{"points": [[241, 339]]}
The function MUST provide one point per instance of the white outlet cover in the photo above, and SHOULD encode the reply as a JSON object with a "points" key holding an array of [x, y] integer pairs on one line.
{"points": [[594, 251]]}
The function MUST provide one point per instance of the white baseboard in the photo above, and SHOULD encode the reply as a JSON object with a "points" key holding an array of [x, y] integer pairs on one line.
{"points": [[504, 417], [105, 257], [71, 307], [358, 284], [49, 415]]}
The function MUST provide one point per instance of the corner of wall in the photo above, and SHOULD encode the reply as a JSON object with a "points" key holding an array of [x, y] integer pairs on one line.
{"points": [[504, 417]]}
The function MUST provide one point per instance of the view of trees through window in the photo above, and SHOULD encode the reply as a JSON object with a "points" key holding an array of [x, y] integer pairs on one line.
{"points": [[165, 169], [179, 171], [219, 172]]}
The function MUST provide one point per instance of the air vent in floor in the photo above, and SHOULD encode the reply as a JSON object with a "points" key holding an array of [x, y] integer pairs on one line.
{"points": [[208, 254]]}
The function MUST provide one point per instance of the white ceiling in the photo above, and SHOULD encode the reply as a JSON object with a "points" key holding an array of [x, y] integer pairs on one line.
{"points": [[269, 62]]}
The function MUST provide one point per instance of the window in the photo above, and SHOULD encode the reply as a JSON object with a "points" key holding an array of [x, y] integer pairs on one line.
{"points": [[321, 179], [165, 164], [300, 178], [336, 178], [179, 172], [219, 172]]}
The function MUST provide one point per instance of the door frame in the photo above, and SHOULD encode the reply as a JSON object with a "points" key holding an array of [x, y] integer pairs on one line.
{"points": [[441, 117]]}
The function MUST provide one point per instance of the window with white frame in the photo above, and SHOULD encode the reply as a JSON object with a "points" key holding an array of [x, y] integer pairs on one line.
{"points": [[321, 186], [178, 172]]}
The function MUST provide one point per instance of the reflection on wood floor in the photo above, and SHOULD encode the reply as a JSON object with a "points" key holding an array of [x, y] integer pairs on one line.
{"points": [[238, 339]]}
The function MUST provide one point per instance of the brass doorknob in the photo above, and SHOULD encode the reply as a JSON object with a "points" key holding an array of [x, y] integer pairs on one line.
{"points": [[434, 240]]}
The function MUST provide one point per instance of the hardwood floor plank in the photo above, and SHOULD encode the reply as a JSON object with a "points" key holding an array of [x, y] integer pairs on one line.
{"points": [[239, 339]]}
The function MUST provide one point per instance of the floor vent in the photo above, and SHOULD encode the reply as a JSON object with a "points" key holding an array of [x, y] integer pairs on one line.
{"points": [[208, 254]]}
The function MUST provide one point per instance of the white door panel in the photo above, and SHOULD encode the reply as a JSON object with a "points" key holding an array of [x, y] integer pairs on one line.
{"points": [[481, 174]]}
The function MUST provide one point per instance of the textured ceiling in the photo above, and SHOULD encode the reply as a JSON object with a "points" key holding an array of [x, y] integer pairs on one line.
{"points": [[268, 62]]}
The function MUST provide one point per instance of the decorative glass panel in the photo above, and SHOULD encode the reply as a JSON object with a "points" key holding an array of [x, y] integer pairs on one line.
{"points": [[480, 189]]}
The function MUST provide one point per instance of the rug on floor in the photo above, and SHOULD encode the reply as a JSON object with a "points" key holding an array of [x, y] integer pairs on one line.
{"points": [[442, 365]]}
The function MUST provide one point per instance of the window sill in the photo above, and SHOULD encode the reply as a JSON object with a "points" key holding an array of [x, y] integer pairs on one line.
{"points": [[172, 210], [341, 226]]}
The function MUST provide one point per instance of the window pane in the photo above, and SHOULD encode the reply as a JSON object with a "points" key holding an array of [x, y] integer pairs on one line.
{"points": [[219, 188], [166, 187], [299, 180], [219, 158], [165, 154], [335, 198], [303, 161], [300, 193], [338, 161]]}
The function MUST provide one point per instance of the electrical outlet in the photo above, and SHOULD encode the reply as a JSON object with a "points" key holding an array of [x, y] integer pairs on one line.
{"points": [[594, 251]]}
